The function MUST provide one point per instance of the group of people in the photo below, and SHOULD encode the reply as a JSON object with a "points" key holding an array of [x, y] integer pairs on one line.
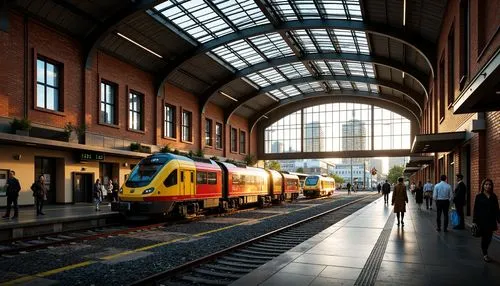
{"points": [[486, 213], [102, 191], [39, 189], [14, 187]]}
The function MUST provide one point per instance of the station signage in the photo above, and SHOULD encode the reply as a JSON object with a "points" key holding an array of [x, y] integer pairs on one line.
{"points": [[91, 156]]}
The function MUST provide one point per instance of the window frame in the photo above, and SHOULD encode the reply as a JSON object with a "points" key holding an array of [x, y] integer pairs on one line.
{"points": [[190, 126], [244, 133], [221, 136], [60, 88], [116, 108], [208, 138], [450, 67], [143, 105], [235, 149], [441, 90], [165, 122]]}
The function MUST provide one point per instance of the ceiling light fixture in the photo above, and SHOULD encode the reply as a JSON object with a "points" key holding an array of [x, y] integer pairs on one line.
{"points": [[271, 97], [228, 96], [265, 117], [139, 45], [403, 74], [404, 12]]}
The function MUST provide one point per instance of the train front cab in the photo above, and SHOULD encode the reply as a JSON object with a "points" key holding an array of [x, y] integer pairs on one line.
{"points": [[316, 186]]}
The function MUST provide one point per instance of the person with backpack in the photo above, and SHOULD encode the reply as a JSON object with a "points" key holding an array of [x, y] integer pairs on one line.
{"points": [[39, 193], [13, 189], [386, 189]]}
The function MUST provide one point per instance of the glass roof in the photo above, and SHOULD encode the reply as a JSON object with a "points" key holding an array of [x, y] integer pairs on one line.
{"points": [[317, 86], [332, 40], [279, 74], [206, 20], [317, 9]]}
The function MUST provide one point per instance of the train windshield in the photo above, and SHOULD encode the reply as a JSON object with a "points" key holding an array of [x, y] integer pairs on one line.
{"points": [[145, 172], [311, 181]]}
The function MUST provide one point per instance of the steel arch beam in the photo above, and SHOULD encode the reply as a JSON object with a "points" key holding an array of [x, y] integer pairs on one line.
{"points": [[316, 98], [95, 37], [417, 99], [422, 46], [413, 72]]}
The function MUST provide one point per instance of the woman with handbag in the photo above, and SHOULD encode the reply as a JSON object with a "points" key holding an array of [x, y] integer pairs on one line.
{"points": [[486, 215]]}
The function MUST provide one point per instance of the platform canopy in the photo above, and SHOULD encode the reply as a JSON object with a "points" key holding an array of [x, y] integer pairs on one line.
{"points": [[439, 142], [420, 161], [249, 55]]}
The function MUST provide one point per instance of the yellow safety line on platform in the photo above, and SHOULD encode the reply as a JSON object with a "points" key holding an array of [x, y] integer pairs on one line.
{"points": [[110, 257]]}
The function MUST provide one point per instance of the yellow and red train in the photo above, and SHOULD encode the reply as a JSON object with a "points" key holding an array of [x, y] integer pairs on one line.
{"points": [[318, 186], [165, 183]]}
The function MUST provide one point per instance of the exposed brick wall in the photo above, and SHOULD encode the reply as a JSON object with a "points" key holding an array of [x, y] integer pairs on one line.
{"points": [[181, 100], [493, 147], [127, 78], [486, 28], [239, 123], [215, 113]]}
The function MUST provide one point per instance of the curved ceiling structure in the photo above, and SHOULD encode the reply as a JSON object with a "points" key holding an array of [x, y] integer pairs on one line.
{"points": [[248, 56]]}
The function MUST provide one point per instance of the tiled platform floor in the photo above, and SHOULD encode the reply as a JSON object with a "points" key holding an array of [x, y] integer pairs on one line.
{"points": [[415, 254]]}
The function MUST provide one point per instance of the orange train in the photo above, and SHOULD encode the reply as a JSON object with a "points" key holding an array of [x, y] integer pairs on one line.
{"points": [[165, 183]]}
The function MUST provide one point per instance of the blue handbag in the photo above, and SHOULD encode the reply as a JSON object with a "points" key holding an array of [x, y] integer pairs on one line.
{"points": [[454, 217]]}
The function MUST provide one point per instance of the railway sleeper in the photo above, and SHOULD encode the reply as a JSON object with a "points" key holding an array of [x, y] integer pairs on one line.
{"points": [[275, 244], [241, 261], [280, 240], [260, 257], [261, 251], [216, 273], [228, 268], [275, 248], [204, 280]]}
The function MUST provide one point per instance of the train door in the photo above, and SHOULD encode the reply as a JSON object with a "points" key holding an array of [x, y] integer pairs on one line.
{"points": [[182, 184], [192, 186]]}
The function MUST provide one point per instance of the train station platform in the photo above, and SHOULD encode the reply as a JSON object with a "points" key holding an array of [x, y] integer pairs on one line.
{"points": [[368, 248], [57, 219]]}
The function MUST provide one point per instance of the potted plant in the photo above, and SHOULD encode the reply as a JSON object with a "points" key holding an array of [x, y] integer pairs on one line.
{"points": [[250, 160], [21, 126], [135, 146], [74, 134]]}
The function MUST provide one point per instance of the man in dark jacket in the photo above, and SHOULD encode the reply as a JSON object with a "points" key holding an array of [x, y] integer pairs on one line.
{"points": [[459, 200], [386, 189], [379, 187], [13, 188], [39, 192]]}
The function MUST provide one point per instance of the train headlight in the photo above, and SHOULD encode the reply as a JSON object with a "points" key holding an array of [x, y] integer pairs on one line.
{"points": [[121, 191], [148, 191]]}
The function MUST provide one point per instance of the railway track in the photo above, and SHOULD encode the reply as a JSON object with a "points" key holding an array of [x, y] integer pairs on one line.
{"points": [[228, 265]]}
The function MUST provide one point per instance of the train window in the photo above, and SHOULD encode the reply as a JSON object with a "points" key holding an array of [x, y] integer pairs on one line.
{"points": [[191, 176], [236, 179], [243, 180], [212, 178], [201, 177], [171, 180], [311, 181], [182, 176]]}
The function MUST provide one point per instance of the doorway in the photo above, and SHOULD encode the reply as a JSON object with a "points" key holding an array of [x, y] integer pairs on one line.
{"points": [[82, 187], [47, 167]]}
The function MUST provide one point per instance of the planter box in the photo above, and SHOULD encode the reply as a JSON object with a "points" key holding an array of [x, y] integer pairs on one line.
{"points": [[23, 132]]}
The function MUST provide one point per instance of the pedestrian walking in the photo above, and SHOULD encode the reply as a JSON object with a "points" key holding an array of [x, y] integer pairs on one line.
{"points": [[13, 189], [412, 188], [39, 193], [348, 188], [97, 192], [399, 200], [379, 187], [386, 189], [486, 215], [459, 200], [109, 190], [428, 194], [419, 195], [442, 195]]}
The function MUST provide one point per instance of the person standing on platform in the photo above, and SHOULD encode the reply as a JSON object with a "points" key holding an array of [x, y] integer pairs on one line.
{"points": [[419, 195], [442, 195], [428, 194], [386, 189], [486, 215], [348, 188], [459, 200], [399, 200], [109, 190], [412, 188], [13, 189], [379, 187], [39, 193], [115, 190], [97, 194]]}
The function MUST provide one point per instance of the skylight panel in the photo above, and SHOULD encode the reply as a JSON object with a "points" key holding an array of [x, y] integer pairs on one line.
{"points": [[362, 42], [272, 45], [345, 84], [239, 54], [346, 41], [356, 68], [278, 94], [327, 67], [307, 9], [334, 10], [266, 77], [284, 9], [195, 18], [309, 87], [374, 88], [323, 40], [242, 13], [294, 70], [305, 41], [333, 85], [290, 90], [362, 86]]}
